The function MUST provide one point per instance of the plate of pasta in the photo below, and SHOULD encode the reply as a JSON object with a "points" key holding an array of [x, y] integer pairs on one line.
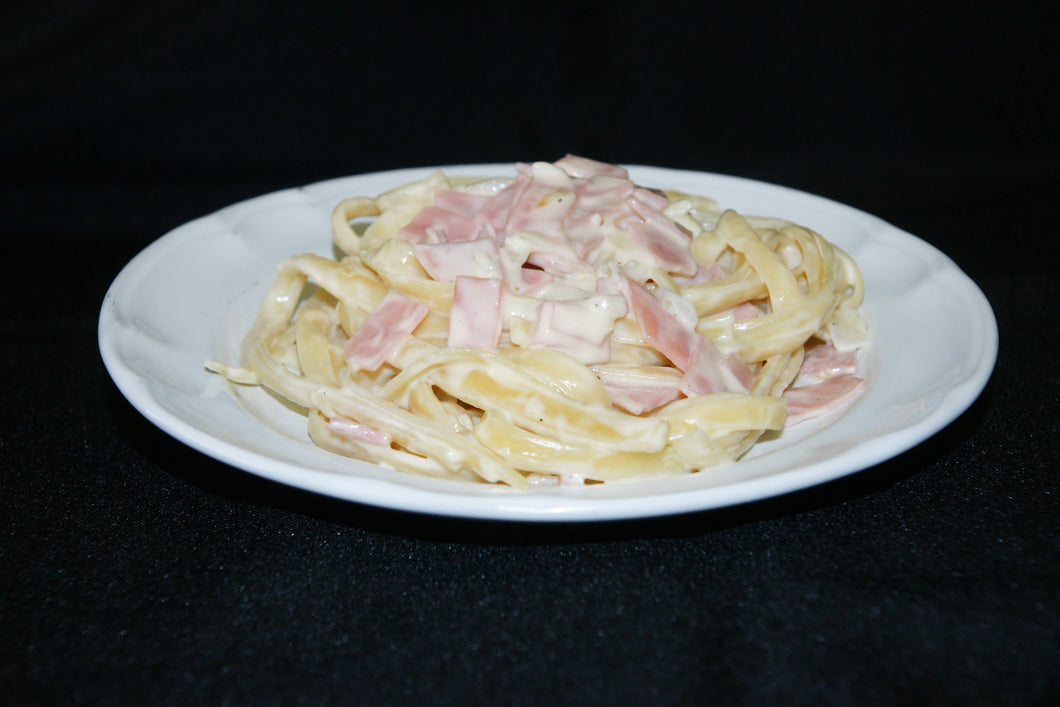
{"points": [[546, 341]]}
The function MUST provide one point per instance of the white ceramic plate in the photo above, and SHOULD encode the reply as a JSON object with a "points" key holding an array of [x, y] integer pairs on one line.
{"points": [[192, 294]]}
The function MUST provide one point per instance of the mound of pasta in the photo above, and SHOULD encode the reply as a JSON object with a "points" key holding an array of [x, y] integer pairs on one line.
{"points": [[564, 325]]}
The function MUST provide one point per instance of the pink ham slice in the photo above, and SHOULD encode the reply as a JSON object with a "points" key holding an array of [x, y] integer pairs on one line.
{"points": [[825, 361], [557, 256], [651, 198], [445, 262], [475, 317], [467, 205], [637, 394], [706, 369], [601, 199], [496, 211], [450, 218], [810, 401], [744, 311], [531, 280], [434, 224], [584, 167], [543, 205], [664, 240], [383, 332], [560, 326]]}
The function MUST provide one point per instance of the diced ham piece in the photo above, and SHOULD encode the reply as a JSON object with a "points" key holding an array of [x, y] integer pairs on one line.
{"points": [[360, 433], [534, 278], [556, 256], [544, 204], [601, 200], [824, 361], [524, 280], [663, 239], [653, 199], [638, 394], [497, 209], [810, 401], [584, 167], [447, 226], [661, 329], [467, 205], [706, 369], [712, 371], [383, 332], [475, 317], [445, 262], [605, 195], [581, 328], [744, 311]]}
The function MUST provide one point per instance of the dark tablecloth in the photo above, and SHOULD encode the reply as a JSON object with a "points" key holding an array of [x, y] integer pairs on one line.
{"points": [[135, 570]]}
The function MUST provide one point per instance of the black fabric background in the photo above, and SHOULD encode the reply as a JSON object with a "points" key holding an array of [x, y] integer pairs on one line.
{"points": [[135, 570]]}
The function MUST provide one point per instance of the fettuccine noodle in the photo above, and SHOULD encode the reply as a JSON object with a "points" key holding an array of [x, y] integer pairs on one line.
{"points": [[566, 325]]}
